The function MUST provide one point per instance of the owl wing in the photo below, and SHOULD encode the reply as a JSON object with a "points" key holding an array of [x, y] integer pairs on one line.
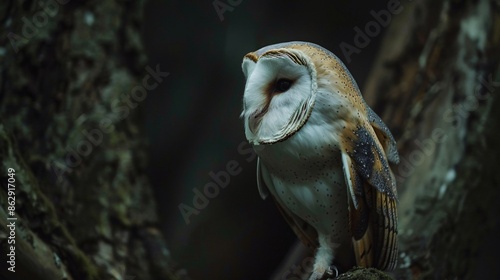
{"points": [[384, 136], [372, 203], [306, 233]]}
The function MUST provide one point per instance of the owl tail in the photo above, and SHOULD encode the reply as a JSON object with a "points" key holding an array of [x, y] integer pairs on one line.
{"points": [[374, 230], [362, 234]]}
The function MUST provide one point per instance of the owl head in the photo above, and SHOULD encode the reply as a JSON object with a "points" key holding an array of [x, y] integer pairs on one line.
{"points": [[282, 82]]}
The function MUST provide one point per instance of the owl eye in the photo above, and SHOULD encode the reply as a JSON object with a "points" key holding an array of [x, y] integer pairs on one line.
{"points": [[282, 85]]}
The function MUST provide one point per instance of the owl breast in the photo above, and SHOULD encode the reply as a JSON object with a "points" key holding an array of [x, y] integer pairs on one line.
{"points": [[307, 178]]}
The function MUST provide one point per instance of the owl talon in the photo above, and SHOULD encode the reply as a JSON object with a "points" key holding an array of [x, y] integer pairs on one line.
{"points": [[330, 271]]}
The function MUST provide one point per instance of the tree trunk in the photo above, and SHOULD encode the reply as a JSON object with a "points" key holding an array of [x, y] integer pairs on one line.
{"points": [[436, 80], [72, 78]]}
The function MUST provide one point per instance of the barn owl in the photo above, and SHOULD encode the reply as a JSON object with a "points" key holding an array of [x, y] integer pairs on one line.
{"points": [[323, 155]]}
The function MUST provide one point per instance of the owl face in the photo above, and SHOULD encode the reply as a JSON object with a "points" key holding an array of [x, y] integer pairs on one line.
{"points": [[279, 93]]}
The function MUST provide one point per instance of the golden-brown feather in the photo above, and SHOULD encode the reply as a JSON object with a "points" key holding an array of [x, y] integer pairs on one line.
{"points": [[376, 245], [361, 228], [373, 222]]}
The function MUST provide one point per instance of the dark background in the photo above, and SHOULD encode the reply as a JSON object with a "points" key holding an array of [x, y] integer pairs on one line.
{"points": [[193, 123]]}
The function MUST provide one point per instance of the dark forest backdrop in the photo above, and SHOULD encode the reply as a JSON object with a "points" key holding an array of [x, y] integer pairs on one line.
{"points": [[116, 114]]}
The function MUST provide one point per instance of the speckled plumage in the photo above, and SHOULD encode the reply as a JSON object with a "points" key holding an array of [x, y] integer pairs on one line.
{"points": [[323, 155]]}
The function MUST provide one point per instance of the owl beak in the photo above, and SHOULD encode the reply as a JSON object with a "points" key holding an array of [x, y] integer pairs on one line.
{"points": [[255, 119]]}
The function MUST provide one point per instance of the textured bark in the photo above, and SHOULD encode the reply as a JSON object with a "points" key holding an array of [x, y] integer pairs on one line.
{"points": [[84, 205], [436, 81]]}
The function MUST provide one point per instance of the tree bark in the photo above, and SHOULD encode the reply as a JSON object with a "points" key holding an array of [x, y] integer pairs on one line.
{"points": [[72, 78], [436, 81]]}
